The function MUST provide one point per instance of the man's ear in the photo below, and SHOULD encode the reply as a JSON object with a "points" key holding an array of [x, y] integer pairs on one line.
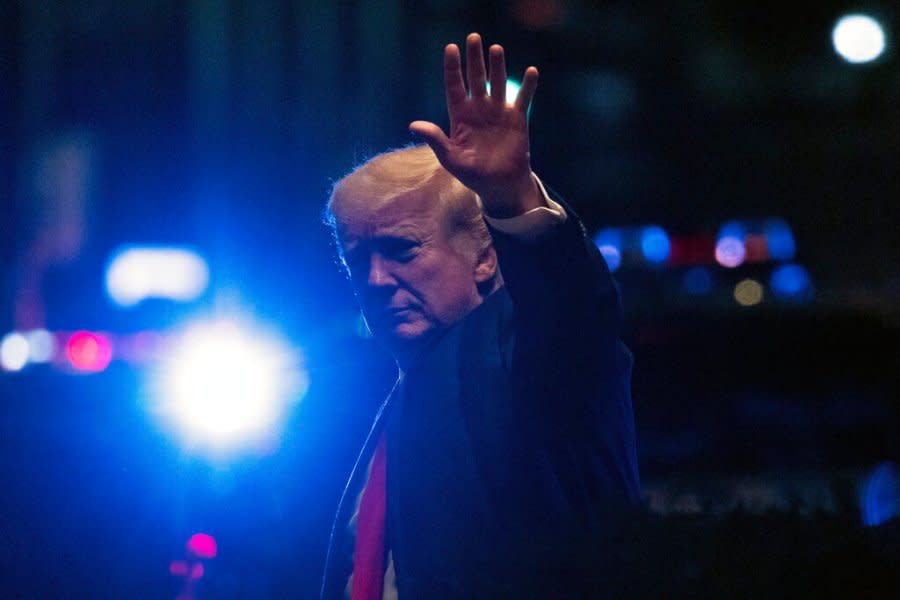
{"points": [[486, 267]]}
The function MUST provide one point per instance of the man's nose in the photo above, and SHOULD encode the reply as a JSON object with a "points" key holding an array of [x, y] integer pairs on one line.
{"points": [[379, 271]]}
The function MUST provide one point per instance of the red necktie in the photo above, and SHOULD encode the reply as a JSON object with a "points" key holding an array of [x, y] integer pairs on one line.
{"points": [[368, 552]]}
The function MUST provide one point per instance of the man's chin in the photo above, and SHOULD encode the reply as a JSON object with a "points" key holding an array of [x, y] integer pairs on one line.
{"points": [[408, 333], [404, 339], [403, 327]]}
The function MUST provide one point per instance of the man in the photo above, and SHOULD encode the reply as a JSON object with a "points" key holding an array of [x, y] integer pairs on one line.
{"points": [[500, 464]]}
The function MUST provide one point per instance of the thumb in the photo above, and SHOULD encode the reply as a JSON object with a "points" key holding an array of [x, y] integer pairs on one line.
{"points": [[434, 137]]}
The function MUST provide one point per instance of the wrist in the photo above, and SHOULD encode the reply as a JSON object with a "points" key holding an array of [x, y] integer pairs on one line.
{"points": [[514, 199]]}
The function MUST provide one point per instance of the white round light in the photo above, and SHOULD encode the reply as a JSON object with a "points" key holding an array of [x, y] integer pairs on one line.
{"points": [[858, 38], [225, 385], [13, 351]]}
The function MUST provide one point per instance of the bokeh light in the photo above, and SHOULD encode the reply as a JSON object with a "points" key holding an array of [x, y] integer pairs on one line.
{"points": [[13, 351], [880, 495], [858, 38], [779, 240], [612, 255], [89, 352], [609, 242], [730, 252], [730, 248], [755, 248], [748, 292], [655, 244], [137, 273], [202, 545], [41, 345], [791, 280], [224, 384]]}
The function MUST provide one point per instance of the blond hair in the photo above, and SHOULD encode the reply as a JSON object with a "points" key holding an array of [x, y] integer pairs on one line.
{"points": [[413, 169]]}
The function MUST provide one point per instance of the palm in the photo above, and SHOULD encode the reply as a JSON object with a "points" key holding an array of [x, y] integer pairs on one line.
{"points": [[487, 139], [487, 149]]}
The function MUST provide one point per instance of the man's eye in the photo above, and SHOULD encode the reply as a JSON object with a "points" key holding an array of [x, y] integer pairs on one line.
{"points": [[403, 255], [401, 251]]}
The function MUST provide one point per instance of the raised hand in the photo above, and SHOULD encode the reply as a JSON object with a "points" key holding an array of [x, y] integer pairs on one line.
{"points": [[487, 149]]}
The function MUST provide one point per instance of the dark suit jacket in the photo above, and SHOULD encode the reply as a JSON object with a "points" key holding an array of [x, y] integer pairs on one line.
{"points": [[511, 451]]}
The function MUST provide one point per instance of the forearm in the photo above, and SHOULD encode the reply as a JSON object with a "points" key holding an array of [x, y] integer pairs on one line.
{"points": [[549, 263]]}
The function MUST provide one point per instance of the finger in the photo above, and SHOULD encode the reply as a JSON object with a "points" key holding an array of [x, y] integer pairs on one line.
{"points": [[498, 73], [454, 86], [475, 66], [526, 92], [433, 136]]}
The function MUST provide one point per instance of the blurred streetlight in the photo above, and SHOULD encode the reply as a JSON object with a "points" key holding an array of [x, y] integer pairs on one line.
{"points": [[227, 385], [858, 38]]}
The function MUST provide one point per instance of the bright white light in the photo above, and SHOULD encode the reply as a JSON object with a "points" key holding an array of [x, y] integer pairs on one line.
{"points": [[41, 345], [512, 90], [13, 351], [226, 385], [858, 38], [137, 273]]}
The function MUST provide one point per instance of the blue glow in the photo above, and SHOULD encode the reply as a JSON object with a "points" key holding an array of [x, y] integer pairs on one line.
{"points": [[698, 281], [779, 240], [609, 242], [880, 495], [733, 229], [790, 280], [655, 244], [612, 256]]}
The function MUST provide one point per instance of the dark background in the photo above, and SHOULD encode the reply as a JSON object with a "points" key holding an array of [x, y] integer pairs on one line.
{"points": [[222, 125]]}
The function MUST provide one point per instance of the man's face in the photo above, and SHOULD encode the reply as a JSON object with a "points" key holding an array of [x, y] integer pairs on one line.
{"points": [[410, 279]]}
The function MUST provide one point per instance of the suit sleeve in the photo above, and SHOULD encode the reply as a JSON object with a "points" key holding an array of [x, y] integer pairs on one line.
{"points": [[569, 366]]}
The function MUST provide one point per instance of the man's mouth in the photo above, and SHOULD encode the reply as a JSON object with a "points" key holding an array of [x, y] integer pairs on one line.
{"points": [[397, 311], [392, 313]]}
